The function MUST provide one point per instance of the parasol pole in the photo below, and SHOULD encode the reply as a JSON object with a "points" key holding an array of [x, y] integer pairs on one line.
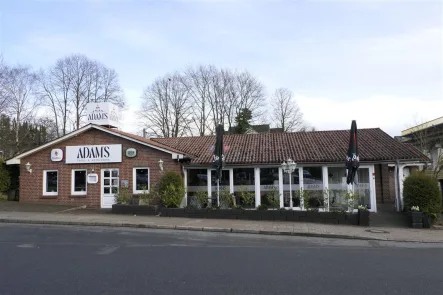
{"points": [[218, 191]]}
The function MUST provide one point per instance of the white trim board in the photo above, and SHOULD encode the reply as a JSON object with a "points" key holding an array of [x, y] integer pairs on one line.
{"points": [[16, 159]]}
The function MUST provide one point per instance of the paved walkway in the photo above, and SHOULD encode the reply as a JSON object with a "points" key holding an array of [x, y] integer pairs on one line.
{"points": [[234, 226]]}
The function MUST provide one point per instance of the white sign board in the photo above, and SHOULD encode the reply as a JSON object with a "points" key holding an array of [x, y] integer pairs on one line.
{"points": [[92, 178], [102, 113], [56, 155], [108, 153]]}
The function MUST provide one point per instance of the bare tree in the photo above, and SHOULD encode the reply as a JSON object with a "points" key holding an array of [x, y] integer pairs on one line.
{"points": [[20, 91], [72, 83], [3, 97], [198, 82], [286, 113], [246, 92], [166, 107]]}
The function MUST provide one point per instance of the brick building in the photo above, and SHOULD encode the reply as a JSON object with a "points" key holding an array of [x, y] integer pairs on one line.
{"points": [[89, 165]]}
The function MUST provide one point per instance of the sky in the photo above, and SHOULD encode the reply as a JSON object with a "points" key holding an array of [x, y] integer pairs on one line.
{"points": [[379, 62]]}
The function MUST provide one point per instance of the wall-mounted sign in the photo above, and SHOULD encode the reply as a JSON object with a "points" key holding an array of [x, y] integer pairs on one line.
{"points": [[131, 153], [109, 153], [124, 183], [103, 113], [56, 155], [92, 178]]}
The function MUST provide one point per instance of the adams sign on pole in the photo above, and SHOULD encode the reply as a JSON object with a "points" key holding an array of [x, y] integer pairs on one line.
{"points": [[109, 153], [103, 113]]}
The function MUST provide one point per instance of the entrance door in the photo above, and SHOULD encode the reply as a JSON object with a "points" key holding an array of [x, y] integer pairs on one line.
{"points": [[110, 185]]}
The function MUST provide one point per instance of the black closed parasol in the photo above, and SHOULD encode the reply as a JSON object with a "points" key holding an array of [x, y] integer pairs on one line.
{"points": [[352, 157]]}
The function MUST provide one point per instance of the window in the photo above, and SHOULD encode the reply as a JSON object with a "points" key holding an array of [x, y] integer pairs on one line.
{"points": [[50, 182], [78, 181], [197, 181], [140, 180], [244, 186]]}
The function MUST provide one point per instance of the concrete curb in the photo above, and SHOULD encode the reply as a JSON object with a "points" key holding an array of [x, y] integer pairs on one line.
{"points": [[208, 229]]}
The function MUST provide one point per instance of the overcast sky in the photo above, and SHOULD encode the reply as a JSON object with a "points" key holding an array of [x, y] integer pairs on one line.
{"points": [[379, 62]]}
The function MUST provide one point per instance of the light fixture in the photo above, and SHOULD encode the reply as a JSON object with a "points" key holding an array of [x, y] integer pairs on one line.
{"points": [[289, 167], [160, 164], [28, 167]]}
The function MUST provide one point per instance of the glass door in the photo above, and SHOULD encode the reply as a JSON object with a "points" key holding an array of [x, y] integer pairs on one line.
{"points": [[110, 186]]}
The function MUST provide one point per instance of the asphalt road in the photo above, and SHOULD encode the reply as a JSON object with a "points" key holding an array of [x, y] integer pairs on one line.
{"points": [[80, 260]]}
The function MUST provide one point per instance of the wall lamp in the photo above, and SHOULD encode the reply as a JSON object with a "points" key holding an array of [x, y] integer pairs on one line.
{"points": [[160, 164], [28, 167]]}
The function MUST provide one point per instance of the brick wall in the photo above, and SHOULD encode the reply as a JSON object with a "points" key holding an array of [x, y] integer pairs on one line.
{"points": [[31, 184], [382, 184]]}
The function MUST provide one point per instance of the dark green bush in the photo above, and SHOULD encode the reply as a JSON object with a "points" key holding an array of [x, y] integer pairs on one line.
{"points": [[420, 189], [5, 180], [168, 178], [171, 189]]}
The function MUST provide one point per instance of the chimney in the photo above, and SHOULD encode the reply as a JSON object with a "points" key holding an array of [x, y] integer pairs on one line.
{"points": [[144, 133]]}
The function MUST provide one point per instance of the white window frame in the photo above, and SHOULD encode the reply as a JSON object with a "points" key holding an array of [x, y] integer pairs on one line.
{"points": [[73, 192], [46, 193], [134, 180]]}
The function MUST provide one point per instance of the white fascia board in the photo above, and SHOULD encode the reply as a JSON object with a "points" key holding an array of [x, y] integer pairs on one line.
{"points": [[60, 139], [13, 161]]}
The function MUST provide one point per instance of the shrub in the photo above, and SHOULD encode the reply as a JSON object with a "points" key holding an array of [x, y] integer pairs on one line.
{"points": [[170, 189], [200, 199], [271, 198], [262, 207], [422, 190], [5, 180], [226, 199], [168, 178], [172, 196], [123, 196], [247, 198]]}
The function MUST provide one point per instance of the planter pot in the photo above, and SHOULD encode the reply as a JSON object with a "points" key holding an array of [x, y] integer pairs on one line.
{"points": [[417, 217], [134, 209], [251, 215], [363, 217], [173, 212], [427, 221]]}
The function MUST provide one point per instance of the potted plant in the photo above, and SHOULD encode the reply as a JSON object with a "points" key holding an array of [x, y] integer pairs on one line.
{"points": [[363, 215]]}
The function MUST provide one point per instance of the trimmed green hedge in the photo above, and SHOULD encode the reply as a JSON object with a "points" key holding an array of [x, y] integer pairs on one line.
{"points": [[5, 179], [422, 190]]}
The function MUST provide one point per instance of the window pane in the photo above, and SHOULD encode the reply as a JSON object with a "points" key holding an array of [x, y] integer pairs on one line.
{"points": [[106, 181], [141, 179], [51, 182], [114, 181], [79, 181], [269, 190], [362, 186], [114, 173], [337, 188], [197, 181], [224, 184], [244, 187], [106, 190], [295, 186], [114, 189], [313, 186], [107, 173]]}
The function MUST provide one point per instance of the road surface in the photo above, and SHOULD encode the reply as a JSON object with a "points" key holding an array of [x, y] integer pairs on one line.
{"points": [[36, 259]]}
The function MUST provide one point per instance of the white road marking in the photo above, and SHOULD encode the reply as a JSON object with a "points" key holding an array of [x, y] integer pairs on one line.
{"points": [[26, 246], [107, 250]]}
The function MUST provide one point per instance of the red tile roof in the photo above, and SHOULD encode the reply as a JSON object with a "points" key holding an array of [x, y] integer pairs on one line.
{"points": [[303, 147], [146, 140]]}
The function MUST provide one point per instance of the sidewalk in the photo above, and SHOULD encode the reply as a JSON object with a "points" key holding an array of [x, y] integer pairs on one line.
{"points": [[222, 225]]}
